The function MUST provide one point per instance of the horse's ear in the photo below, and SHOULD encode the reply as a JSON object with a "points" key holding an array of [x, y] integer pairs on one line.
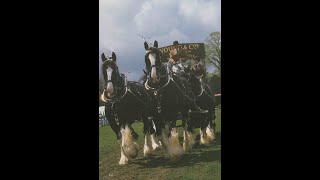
{"points": [[155, 44], [146, 46], [114, 57], [103, 57]]}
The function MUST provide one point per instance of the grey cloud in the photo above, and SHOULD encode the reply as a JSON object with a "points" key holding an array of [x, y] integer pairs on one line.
{"points": [[120, 22]]}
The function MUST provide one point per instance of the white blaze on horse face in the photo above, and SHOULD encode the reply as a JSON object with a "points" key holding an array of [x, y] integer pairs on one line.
{"points": [[109, 85], [152, 59]]}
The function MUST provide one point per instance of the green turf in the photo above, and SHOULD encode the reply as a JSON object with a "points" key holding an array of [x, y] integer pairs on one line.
{"points": [[202, 163]]}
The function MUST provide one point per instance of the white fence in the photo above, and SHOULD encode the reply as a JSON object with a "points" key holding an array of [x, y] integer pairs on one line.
{"points": [[102, 116]]}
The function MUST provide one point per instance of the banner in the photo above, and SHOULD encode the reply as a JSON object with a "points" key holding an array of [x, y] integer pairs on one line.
{"points": [[193, 49]]}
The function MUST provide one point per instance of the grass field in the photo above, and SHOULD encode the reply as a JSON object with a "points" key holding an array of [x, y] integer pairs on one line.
{"points": [[202, 163]]}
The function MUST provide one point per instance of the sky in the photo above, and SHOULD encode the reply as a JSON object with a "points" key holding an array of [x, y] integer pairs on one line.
{"points": [[120, 22]]}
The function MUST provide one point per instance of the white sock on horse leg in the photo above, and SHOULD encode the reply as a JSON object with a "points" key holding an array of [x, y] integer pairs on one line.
{"points": [[175, 149], [191, 138], [147, 150], [154, 141], [186, 141], [123, 159], [165, 141], [203, 137], [210, 133], [130, 148]]}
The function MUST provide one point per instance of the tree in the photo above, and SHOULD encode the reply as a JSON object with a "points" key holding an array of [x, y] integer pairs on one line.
{"points": [[215, 80], [213, 51]]}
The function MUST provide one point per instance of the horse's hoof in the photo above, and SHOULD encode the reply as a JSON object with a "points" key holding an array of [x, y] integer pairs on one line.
{"points": [[131, 151], [155, 147], [123, 162]]}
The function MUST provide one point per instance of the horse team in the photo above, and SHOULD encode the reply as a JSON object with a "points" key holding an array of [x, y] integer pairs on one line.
{"points": [[157, 99]]}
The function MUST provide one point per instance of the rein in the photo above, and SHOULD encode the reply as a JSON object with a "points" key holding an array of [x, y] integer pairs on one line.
{"points": [[127, 90], [189, 98], [204, 91], [201, 85], [168, 73], [113, 101]]}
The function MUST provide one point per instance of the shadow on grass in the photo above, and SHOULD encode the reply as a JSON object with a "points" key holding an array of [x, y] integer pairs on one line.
{"points": [[191, 159], [216, 142], [200, 154]]}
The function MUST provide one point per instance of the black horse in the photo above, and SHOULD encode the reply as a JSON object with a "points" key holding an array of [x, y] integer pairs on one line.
{"points": [[170, 95], [205, 100], [125, 102]]}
